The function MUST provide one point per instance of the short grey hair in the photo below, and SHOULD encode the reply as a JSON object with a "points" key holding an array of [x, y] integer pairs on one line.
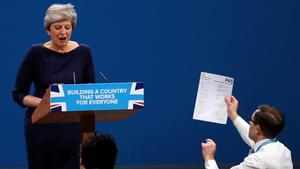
{"points": [[59, 12]]}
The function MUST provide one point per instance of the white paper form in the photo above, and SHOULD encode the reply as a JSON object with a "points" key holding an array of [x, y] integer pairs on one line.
{"points": [[210, 105]]}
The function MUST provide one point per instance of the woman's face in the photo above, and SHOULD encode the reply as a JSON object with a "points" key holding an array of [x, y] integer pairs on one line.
{"points": [[60, 33]]}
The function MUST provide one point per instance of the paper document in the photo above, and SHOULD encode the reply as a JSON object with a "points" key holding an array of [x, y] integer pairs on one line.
{"points": [[210, 105]]}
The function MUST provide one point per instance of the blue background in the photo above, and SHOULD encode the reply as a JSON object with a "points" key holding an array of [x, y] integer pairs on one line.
{"points": [[166, 44]]}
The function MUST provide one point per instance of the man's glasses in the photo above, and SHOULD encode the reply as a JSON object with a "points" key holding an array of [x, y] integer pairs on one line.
{"points": [[251, 121]]}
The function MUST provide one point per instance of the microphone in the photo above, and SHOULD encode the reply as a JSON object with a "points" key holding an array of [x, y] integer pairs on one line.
{"points": [[74, 78], [103, 77]]}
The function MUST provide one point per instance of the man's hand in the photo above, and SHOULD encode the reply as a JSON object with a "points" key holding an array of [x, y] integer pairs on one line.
{"points": [[232, 105], [209, 149]]}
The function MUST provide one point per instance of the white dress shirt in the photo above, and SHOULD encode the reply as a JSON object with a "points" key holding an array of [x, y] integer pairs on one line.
{"points": [[269, 156]]}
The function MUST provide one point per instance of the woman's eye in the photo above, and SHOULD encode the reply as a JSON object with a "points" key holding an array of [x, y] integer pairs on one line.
{"points": [[57, 27]]}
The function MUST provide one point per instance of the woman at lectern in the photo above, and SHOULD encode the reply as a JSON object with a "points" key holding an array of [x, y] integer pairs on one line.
{"points": [[59, 60]]}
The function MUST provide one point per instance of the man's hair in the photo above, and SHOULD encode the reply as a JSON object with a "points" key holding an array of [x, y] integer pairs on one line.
{"points": [[99, 152], [270, 119]]}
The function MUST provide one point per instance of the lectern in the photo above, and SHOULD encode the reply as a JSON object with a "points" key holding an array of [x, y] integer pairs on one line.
{"points": [[87, 103]]}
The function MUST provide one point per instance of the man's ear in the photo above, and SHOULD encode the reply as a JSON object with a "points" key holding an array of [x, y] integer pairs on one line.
{"points": [[258, 128]]}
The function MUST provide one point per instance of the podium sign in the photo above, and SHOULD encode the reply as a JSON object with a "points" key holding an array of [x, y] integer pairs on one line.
{"points": [[99, 96], [67, 103]]}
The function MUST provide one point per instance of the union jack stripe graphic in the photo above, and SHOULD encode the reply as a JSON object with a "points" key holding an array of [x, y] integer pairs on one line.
{"points": [[57, 91], [58, 107], [135, 104], [137, 88]]}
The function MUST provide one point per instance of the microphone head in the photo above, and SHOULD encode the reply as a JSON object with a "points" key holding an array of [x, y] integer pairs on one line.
{"points": [[103, 77]]}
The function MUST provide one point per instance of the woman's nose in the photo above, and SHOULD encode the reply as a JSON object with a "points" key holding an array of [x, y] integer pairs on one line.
{"points": [[63, 31]]}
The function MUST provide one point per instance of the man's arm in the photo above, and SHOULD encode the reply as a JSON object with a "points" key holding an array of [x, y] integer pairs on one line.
{"points": [[243, 128], [240, 124]]}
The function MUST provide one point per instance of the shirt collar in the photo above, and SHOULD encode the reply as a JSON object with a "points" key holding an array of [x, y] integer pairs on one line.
{"points": [[259, 143]]}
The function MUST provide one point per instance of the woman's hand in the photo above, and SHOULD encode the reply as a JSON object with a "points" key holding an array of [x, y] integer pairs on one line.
{"points": [[31, 101]]}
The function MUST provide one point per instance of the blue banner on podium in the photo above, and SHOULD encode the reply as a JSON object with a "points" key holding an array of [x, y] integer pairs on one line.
{"points": [[96, 96]]}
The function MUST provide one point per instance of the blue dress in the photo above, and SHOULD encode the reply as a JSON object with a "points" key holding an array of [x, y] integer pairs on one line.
{"points": [[52, 146]]}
